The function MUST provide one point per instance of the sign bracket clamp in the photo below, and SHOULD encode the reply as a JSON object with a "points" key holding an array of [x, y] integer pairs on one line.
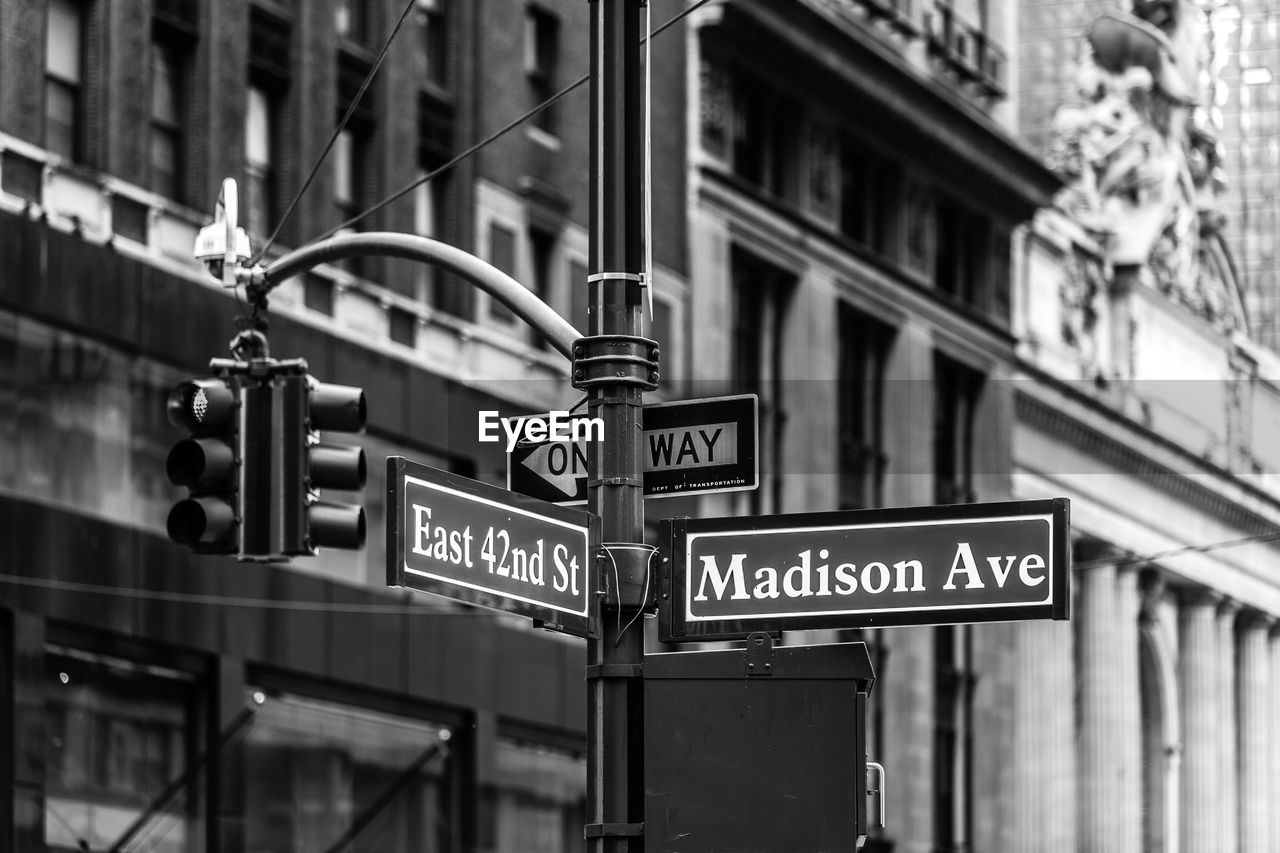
{"points": [[609, 361], [759, 656]]}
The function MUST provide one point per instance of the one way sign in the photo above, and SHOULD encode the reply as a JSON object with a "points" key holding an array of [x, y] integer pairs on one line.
{"points": [[690, 447]]}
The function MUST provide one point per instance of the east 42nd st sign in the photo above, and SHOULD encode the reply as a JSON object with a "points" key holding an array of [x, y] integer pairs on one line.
{"points": [[866, 568], [472, 542]]}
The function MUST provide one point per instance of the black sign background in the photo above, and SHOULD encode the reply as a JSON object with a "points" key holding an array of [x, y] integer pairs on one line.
{"points": [[861, 537], [742, 474], [457, 503]]}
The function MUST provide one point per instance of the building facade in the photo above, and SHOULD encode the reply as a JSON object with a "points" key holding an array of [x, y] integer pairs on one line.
{"points": [[853, 219], [1150, 402]]}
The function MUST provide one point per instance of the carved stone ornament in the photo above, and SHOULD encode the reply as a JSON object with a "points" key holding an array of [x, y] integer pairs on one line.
{"points": [[1082, 282], [1142, 165]]}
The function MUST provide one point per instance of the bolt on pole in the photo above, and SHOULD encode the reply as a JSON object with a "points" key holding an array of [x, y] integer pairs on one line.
{"points": [[615, 776]]}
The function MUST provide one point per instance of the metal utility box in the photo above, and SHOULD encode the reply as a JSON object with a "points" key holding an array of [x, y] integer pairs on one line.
{"points": [[756, 750]]}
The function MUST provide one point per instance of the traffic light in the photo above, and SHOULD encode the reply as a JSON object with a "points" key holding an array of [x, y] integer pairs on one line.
{"points": [[207, 462], [307, 408]]}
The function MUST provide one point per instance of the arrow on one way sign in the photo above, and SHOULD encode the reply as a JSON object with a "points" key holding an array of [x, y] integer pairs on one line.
{"points": [[562, 465]]}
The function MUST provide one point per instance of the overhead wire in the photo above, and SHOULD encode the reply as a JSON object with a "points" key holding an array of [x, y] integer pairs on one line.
{"points": [[493, 137], [337, 131], [455, 160]]}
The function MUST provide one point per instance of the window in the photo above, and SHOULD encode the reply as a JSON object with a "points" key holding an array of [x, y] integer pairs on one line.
{"points": [[751, 132], [428, 215], [824, 171], [324, 776], [949, 260], [264, 131], [317, 293], [918, 219], [502, 254], [960, 263], [348, 185], [352, 176], [956, 392], [351, 20], [433, 42], [541, 56], [953, 686], [64, 60], [346, 174], [118, 735], [864, 346], [978, 261], [542, 250], [260, 161], [538, 800], [759, 292], [715, 108], [886, 192], [434, 203], [166, 120]]}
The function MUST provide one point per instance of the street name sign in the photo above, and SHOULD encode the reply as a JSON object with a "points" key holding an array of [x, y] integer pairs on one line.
{"points": [[472, 542], [991, 562], [690, 447]]}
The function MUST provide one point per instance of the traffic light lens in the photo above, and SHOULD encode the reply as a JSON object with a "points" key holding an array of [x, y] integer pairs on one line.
{"points": [[200, 463], [337, 407], [337, 467], [337, 526], [202, 405], [200, 521]]}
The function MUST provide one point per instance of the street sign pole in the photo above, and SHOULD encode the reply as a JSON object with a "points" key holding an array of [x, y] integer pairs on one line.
{"points": [[615, 699]]}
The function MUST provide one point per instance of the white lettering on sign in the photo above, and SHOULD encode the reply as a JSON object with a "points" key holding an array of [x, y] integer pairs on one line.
{"points": [[731, 579], [439, 543], [964, 564], [691, 447], [553, 426], [498, 556]]}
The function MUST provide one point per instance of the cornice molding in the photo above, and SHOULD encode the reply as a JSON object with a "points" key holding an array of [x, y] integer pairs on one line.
{"points": [[982, 155], [1121, 456]]}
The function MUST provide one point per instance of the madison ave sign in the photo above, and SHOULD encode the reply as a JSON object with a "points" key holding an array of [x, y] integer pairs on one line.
{"points": [[990, 562], [472, 542]]}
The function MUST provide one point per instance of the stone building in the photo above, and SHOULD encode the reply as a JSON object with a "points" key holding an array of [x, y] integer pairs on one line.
{"points": [[853, 219], [1151, 406]]}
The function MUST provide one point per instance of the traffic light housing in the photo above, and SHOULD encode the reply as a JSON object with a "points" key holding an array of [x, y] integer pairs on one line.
{"points": [[308, 407], [253, 462], [207, 463]]}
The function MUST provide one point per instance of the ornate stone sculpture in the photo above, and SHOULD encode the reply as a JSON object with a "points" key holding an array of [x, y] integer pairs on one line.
{"points": [[1142, 164]]}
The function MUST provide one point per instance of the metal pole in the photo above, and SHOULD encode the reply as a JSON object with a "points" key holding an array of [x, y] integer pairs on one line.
{"points": [[493, 281], [615, 779]]}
